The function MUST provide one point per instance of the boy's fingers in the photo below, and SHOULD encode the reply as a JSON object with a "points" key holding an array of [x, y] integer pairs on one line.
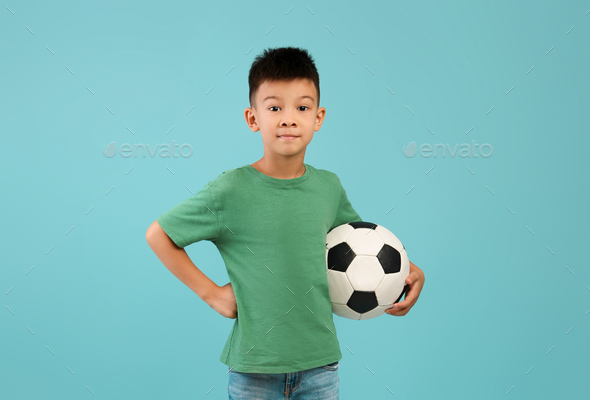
{"points": [[400, 305], [408, 299], [394, 311], [411, 294], [412, 277]]}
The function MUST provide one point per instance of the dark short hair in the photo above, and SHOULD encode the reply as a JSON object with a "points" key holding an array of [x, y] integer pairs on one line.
{"points": [[282, 63]]}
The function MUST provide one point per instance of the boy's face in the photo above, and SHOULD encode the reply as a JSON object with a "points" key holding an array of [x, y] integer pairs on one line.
{"points": [[288, 112]]}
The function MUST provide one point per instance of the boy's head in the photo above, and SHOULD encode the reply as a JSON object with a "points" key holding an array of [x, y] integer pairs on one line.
{"points": [[284, 100], [282, 64]]}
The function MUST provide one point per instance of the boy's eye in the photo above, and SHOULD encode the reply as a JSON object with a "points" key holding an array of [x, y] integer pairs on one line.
{"points": [[306, 107]]}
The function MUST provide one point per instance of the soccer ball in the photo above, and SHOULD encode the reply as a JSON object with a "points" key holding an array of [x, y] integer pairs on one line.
{"points": [[367, 267]]}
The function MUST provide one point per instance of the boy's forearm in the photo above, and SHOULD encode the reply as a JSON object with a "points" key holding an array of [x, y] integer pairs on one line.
{"points": [[178, 262]]}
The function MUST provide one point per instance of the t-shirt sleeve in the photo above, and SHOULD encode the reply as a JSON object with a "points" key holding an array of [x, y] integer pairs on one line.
{"points": [[346, 212], [193, 220]]}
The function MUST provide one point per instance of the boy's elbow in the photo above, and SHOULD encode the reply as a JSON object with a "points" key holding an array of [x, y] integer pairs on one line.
{"points": [[155, 235], [151, 231]]}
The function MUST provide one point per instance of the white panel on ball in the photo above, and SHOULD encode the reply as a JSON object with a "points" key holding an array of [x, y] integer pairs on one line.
{"points": [[389, 238], [365, 242], [389, 289], [339, 286], [365, 273], [376, 312], [338, 235], [405, 264]]}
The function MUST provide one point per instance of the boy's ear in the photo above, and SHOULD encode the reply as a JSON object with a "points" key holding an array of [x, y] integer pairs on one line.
{"points": [[251, 119], [320, 118]]}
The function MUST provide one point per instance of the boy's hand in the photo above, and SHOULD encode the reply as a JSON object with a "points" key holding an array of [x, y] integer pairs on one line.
{"points": [[416, 280], [223, 300]]}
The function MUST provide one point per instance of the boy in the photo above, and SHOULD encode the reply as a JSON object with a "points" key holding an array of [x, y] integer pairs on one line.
{"points": [[269, 221]]}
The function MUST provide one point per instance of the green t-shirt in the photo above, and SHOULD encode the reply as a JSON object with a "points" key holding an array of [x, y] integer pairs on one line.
{"points": [[271, 234]]}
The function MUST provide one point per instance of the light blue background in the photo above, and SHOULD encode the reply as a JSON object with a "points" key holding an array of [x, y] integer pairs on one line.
{"points": [[95, 310]]}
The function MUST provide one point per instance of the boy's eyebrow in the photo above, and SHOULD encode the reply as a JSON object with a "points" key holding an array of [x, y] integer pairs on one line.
{"points": [[277, 97]]}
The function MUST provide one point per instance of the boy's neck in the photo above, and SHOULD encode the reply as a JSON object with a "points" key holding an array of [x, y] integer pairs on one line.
{"points": [[290, 169]]}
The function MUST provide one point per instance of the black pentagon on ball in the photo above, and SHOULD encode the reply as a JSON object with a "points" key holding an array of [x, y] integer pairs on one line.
{"points": [[362, 224], [340, 257], [390, 259], [361, 302]]}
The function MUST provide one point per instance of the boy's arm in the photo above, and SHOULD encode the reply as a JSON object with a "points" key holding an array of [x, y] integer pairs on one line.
{"points": [[221, 299], [178, 262]]}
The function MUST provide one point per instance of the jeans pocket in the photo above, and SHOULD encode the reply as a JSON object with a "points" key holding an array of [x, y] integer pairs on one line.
{"points": [[332, 367]]}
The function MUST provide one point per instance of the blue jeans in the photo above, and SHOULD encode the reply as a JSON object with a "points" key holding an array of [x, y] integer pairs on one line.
{"points": [[319, 383]]}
